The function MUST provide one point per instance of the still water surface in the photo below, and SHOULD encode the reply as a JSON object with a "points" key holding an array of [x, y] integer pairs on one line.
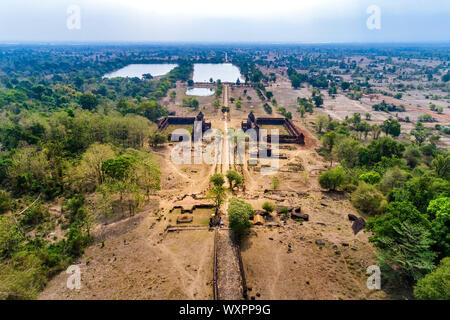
{"points": [[201, 92], [226, 72], [137, 70]]}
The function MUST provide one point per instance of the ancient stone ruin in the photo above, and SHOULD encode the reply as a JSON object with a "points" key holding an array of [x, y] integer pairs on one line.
{"points": [[163, 123], [294, 135]]}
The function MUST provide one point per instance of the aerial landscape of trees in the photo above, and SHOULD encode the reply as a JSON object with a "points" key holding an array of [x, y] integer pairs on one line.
{"points": [[86, 144], [404, 189], [78, 139]]}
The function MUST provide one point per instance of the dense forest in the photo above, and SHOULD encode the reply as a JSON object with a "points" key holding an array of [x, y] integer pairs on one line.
{"points": [[69, 135]]}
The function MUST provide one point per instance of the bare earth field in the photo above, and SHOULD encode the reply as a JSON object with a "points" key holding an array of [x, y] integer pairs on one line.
{"points": [[318, 259], [143, 263]]}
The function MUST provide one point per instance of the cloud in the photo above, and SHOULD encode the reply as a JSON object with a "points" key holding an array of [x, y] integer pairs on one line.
{"points": [[224, 21], [251, 9]]}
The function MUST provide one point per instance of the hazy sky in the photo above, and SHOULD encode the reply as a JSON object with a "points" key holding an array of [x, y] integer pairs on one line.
{"points": [[224, 21]]}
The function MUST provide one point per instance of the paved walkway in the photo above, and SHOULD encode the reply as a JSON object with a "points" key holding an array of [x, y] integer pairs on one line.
{"points": [[229, 281]]}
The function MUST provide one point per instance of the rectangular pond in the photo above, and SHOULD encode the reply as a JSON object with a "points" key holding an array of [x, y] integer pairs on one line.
{"points": [[226, 72], [200, 92], [138, 70]]}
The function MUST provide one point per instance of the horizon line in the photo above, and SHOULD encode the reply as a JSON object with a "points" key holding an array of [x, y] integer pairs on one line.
{"points": [[151, 42]]}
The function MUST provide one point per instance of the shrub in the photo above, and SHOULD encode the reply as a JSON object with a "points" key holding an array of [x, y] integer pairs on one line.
{"points": [[76, 241], [75, 208], [156, 139], [267, 108], [275, 183], [5, 201], [368, 199], [34, 215], [268, 206], [332, 179], [10, 236]]}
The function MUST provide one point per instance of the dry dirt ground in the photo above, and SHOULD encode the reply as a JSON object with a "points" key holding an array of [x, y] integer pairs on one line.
{"points": [[318, 259], [139, 261]]}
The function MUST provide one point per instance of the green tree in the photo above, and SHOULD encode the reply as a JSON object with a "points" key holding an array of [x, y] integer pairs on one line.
{"points": [[152, 110], [441, 165], [75, 208], [321, 122], [412, 155], [407, 255], [393, 178], [420, 190], [123, 106], [356, 119], [419, 135], [121, 178], [239, 214], [302, 110], [88, 101], [329, 140], [118, 168], [88, 175], [377, 149], [217, 195], [318, 101], [217, 179], [403, 239], [376, 131], [234, 178], [347, 151], [446, 77], [435, 285], [147, 175], [391, 126], [439, 213]]}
